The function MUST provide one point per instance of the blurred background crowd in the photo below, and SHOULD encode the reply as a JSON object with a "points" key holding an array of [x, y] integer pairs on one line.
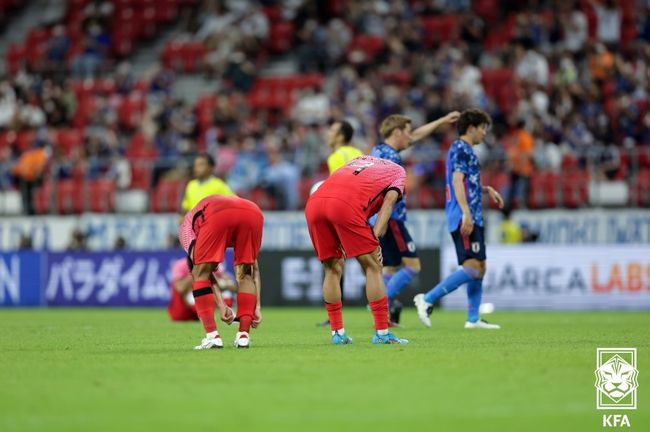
{"points": [[101, 99]]}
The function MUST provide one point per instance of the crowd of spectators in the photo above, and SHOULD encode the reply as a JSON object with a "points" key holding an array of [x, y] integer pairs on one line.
{"points": [[572, 90]]}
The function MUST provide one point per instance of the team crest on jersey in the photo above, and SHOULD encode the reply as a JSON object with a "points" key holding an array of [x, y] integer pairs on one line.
{"points": [[411, 246]]}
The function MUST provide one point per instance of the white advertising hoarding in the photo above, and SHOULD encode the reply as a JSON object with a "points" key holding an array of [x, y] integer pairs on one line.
{"points": [[559, 277], [288, 230]]}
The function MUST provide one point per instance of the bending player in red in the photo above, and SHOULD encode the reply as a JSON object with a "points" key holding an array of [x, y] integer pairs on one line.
{"points": [[337, 217], [215, 223]]}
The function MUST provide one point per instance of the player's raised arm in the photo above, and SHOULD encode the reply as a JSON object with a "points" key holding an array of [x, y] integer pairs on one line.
{"points": [[427, 129], [384, 212]]}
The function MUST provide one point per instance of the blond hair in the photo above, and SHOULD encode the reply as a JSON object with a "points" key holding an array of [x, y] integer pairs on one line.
{"points": [[391, 123]]}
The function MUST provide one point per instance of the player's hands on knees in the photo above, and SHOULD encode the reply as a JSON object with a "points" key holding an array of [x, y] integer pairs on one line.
{"points": [[467, 226], [257, 318], [227, 315]]}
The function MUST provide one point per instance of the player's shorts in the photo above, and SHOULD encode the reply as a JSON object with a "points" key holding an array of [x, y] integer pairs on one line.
{"points": [[337, 230], [396, 244], [217, 229], [472, 246]]}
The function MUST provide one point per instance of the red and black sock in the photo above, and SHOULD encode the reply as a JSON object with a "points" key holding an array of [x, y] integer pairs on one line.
{"points": [[205, 305], [335, 313], [246, 304], [379, 310]]}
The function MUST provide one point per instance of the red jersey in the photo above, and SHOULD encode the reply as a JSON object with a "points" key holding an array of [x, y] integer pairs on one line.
{"points": [[186, 232], [363, 183]]}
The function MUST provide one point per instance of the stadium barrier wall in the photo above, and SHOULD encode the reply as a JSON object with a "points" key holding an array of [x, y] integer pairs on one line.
{"points": [[560, 277], [142, 279], [86, 279], [288, 230], [295, 278]]}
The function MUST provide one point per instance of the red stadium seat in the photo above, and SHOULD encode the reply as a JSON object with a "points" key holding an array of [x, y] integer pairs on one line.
{"points": [[575, 189], [439, 28], [101, 196], [69, 197], [68, 139], [430, 197], [43, 198], [543, 190], [140, 174], [167, 196], [281, 37], [192, 54], [15, 58], [368, 46]]}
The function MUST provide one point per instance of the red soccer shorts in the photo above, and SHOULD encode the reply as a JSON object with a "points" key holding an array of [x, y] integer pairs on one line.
{"points": [[337, 230], [219, 228]]}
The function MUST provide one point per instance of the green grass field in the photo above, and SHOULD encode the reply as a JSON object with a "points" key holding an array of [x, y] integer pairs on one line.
{"points": [[123, 370]]}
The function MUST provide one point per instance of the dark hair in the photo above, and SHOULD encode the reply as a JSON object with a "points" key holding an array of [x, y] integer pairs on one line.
{"points": [[208, 158], [346, 130], [472, 117]]}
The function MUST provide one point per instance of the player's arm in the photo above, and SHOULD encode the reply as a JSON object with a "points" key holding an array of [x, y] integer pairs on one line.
{"points": [[429, 128], [458, 183], [383, 215], [257, 319], [494, 195], [226, 313]]}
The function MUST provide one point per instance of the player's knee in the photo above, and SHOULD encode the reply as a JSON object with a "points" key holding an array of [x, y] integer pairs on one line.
{"points": [[202, 271], [474, 271], [414, 266], [483, 269], [334, 266], [243, 271]]}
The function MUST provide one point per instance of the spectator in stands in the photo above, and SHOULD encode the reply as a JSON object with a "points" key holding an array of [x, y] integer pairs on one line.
{"points": [[281, 179], [124, 80], [8, 104], [120, 244], [530, 65], [29, 170], [608, 22], [520, 148], [56, 52], [7, 161], [95, 47], [25, 243], [78, 241], [575, 28]]}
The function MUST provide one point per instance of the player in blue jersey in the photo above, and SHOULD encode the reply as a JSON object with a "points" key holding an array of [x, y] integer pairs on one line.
{"points": [[397, 246], [464, 220]]}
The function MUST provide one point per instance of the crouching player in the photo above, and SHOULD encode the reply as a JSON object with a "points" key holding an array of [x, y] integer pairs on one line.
{"points": [[181, 303], [214, 224], [337, 217]]}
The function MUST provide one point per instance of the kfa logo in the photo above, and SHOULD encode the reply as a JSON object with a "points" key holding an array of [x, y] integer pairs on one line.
{"points": [[616, 383]]}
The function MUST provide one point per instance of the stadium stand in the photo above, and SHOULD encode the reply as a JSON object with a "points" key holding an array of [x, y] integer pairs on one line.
{"points": [[579, 87]]}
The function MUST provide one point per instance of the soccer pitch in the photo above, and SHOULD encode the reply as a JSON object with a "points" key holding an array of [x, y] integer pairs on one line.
{"points": [[133, 370]]}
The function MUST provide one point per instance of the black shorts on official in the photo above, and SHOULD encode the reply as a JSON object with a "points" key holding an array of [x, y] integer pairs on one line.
{"points": [[396, 244], [472, 246]]}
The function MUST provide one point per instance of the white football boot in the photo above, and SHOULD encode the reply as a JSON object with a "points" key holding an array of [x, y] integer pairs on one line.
{"points": [[242, 340], [210, 343], [481, 324], [423, 309]]}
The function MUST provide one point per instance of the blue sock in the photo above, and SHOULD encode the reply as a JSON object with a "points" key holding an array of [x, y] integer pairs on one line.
{"points": [[449, 284], [474, 293], [399, 280]]}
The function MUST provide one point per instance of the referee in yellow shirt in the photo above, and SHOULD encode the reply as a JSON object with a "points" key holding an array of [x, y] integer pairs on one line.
{"points": [[338, 140], [204, 183]]}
